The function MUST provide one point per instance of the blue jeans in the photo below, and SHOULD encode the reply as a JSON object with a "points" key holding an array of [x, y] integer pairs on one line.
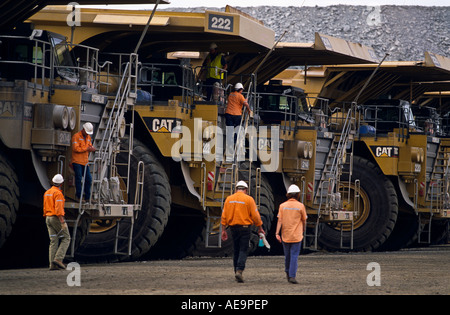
{"points": [[291, 252], [79, 171]]}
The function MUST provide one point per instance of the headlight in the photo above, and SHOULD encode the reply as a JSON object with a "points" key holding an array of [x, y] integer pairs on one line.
{"points": [[416, 156], [60, 116], [72, 118], [305, 149]]}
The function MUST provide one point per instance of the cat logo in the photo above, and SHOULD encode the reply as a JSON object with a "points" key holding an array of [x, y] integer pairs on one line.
{"points": [[380, 151], [164, 125]]}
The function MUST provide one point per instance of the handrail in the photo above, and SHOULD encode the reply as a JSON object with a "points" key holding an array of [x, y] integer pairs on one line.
{"points": [[117, 111]]}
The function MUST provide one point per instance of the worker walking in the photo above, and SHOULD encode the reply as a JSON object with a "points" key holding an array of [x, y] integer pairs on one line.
{"points": [[56, 223], [239, 213], [81, 146], [292, 223]]}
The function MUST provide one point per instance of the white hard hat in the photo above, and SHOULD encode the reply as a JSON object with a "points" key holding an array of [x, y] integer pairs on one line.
{"points": [[241, 183], [213, 46], [293, 189], [238, 86], [58, 179], [88, 128]]}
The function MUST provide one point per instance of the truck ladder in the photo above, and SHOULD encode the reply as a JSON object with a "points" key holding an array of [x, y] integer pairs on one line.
{"points": [[228, 170], [437, 196], [327, 191], [106, 203], [109, 135]]}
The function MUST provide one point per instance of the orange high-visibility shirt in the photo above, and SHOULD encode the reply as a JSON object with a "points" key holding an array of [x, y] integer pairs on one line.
{"points": [[54, 202], [292, 215], [240, 209], [235, 102], [80, 154]]}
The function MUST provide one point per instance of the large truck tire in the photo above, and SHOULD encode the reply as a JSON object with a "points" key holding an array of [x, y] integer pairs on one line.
{"points": [[404, 233], [180, 235], [9, 198], [378, 210], [151, 220]]}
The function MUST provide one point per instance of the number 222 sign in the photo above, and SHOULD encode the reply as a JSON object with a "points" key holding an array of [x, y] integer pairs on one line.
{"points": [[223, 23]]}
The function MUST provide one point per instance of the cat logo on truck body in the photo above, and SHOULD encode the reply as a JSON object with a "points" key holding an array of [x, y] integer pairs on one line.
{"points": [[385, 151]]}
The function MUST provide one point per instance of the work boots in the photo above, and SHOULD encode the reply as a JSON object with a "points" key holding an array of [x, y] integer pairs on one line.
{"points": [[292, 280], [238, 276]]}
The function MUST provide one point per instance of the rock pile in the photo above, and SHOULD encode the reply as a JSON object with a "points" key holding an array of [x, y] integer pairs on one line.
{"points": [[405, 32]]}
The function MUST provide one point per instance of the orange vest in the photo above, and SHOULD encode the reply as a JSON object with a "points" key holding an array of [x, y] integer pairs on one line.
{"points": [[80, 154], [292, 215], [240, 209], [54, 202]]}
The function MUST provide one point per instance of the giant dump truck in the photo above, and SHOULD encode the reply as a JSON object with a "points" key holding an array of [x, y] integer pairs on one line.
{"points": [[175, 132], [400, 150], [177, 129], [168, 103], [45, 100], [49, 88]]}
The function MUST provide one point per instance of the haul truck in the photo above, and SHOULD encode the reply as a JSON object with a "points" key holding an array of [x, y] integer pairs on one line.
{"points": [[311, 156], [175, 128], [398, 161], [49, 89], [178, 127], [47, 93]]}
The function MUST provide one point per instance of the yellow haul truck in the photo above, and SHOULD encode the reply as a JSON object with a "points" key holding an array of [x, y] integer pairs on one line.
{"points": [[399, 152], [49, 89], [176, 130], [183, 131]]}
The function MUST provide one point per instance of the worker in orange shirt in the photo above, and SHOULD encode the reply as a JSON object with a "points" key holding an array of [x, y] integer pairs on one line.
{"points": [[292, 224], [233, 116], [81, 146], [239, 213], [56, 223], [236, 101]]}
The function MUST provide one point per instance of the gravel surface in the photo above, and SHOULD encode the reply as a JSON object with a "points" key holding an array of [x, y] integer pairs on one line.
{"points": [[413, 271], [405, 32]]}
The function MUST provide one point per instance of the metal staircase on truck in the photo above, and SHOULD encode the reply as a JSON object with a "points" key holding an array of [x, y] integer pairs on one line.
{"points": [[329, 192], [230, 170], [109, 188], [437, 192]]}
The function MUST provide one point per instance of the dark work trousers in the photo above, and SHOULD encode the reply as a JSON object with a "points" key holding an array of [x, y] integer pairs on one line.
{"points": [[233, 120], [241, 241], [79, 172]]}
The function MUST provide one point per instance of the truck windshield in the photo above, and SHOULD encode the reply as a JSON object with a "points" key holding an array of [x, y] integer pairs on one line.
{"points": [[65, 63]]}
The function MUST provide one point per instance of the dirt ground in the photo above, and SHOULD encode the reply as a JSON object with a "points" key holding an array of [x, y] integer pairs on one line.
{"points": [[414, 271]]}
